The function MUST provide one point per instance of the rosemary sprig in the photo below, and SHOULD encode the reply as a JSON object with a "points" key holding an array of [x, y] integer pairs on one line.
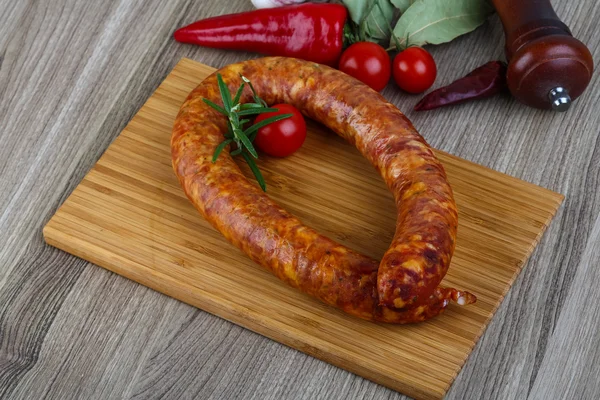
{"points": [[236, 134]]}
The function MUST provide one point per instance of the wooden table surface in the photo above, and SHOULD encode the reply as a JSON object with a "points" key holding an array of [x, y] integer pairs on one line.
{"points": [[73, 73]]}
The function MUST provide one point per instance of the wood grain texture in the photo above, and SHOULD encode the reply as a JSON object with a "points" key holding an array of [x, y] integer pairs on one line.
{"points": [[60, 108], [130, 216]]}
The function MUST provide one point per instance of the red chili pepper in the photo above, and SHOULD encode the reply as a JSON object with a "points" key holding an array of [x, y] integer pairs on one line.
{"points": [[485, 81], [313, 32]]}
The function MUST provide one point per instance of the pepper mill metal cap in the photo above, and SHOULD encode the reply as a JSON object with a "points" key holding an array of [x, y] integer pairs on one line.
{"points": [[561, 101]]}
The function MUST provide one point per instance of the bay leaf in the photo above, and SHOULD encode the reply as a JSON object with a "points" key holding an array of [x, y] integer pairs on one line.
{"points": [[374, 17], [402, 5], [439, 21]]}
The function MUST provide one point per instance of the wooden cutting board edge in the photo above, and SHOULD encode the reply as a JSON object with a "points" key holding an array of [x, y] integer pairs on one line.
{"points": [[560, 197], [249, 320], [252, 321]]}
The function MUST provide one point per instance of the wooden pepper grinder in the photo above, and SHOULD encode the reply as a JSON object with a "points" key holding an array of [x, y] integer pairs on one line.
{"points": [[548, 67]]}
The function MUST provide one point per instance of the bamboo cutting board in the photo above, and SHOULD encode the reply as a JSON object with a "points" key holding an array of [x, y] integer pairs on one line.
{"points": [[129, 215]]}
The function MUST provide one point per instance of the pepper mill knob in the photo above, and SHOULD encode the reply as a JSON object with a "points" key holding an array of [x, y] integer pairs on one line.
{"points": [[548, 67], [561, 101]]}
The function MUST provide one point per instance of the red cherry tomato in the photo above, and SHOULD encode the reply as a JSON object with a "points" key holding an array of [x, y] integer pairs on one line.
{"points": [[368, 62], [414, 70], [281, 138]]}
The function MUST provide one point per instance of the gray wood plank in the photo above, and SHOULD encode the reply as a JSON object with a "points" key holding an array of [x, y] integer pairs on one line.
{"points": [[101, 357], [72, 73], [61, 107], [571, 366]]}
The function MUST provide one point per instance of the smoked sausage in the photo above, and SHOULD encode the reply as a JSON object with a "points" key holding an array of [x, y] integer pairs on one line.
{"points": [[403, 287]]}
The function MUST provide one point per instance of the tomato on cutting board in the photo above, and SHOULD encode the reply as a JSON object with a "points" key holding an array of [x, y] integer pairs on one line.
{"points": [[368, 62], [284, 137]]}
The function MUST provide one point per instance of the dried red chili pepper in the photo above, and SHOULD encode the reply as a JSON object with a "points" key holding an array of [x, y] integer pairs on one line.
{"points": [[485, 81], [313, 32]]}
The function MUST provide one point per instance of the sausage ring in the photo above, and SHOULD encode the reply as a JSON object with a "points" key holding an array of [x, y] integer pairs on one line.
{"points": [[403, 287]]}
